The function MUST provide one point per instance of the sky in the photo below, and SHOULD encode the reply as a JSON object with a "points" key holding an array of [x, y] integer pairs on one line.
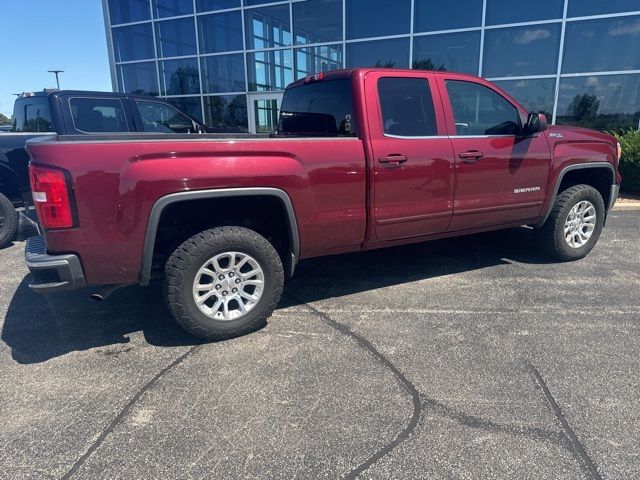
{"points": [[41, 35]]}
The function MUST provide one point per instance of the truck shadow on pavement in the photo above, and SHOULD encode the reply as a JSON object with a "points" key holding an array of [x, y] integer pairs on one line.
{"points": [[39, 327]]}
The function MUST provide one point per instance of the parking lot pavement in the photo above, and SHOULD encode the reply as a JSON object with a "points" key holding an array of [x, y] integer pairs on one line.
{"points": [[463, 358]]}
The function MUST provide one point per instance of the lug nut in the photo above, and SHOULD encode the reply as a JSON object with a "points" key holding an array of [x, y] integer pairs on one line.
{"points": [[238, 281], [225, 293], [218, 287], [231, 275], [235, 290], [221, 277]]}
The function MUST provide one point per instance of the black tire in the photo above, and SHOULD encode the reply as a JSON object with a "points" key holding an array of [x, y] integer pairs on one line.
{"points": [[185, 262], [552, 232], [8, 221]]}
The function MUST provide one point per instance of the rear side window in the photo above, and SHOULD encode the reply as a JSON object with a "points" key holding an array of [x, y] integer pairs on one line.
{"points": [[33, 114], [407, 107], [158, 117], [98, 115], [478, 110], [322, 108]]}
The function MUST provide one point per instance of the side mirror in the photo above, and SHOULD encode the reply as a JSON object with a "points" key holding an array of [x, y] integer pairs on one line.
{"points": [[536, 123]]}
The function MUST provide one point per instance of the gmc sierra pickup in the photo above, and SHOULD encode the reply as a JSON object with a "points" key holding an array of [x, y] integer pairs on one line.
{"points": [[362, 159], [66, 112]]}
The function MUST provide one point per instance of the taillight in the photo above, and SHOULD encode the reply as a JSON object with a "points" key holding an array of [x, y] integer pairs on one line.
{"points": [[51, 197]]}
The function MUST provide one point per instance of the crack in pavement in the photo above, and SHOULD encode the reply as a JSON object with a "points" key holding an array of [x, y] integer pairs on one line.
{"points": [[576, 446], [406, 384], [124, 411], [471, 421]]}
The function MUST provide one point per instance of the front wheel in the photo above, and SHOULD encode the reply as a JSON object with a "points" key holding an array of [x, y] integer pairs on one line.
{"points": [[223, 283], [8, 221], [574, 224]]}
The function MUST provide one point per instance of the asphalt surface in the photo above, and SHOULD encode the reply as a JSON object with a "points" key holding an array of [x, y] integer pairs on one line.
{"points": [[463, 358]]}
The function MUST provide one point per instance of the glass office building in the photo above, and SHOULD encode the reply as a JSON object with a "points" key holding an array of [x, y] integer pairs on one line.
{"points": [[227, 61]]}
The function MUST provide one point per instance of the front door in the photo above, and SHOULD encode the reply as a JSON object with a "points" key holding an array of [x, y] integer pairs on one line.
{"points": [[263, 112], [411, 154], [501, 177]]}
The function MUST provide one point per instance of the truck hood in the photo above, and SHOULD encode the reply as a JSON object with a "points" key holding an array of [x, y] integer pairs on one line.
{"points": [[568, 133]]}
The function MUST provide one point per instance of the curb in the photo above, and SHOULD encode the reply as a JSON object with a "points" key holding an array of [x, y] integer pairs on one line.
{"points": [[627, 206]]}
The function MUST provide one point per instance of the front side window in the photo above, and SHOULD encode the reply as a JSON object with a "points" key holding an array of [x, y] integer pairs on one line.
{"points": [[98, 115], [407, 107], [160, 118], [478, 110]]}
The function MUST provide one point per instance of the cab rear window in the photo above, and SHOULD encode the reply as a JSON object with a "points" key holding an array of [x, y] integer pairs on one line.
{"points": [[33, 115], [322, 108]]}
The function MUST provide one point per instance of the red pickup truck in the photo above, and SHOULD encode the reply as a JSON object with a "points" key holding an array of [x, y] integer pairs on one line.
{"points": [[362, 159]]}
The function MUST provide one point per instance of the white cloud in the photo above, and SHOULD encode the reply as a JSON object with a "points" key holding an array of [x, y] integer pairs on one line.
{"points": [[530, 36], [625, 29]]}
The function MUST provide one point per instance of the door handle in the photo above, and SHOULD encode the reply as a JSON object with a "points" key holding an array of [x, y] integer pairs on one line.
{"points": [[471, 156], [393, 160]]}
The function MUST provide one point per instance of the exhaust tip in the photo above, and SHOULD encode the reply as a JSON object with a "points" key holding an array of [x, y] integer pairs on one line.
{"points": [[96, 297]]}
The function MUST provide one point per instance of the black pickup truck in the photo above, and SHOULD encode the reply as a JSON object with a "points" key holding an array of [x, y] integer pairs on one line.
{"points": [[68, 112]]}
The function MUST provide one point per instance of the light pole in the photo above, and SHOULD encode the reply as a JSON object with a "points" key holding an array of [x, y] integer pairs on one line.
{"points": [[56, 72]]}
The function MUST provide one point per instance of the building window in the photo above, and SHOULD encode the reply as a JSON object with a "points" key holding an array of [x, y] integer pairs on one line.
{"points": [[270, 70], [220, 32], [172, 8], [377, 18], [126, 11], [226, 113], [606, 102], [312, 60], [454, 52], [530, 50], [267, 27], [432, 15], [138, 78], [179, 77], [578, 8], [503, 11], [600, 45], [176, 38], [319, 21], [223, 73], [212, 5], [393, 53], [535, 95], [134, 42]]}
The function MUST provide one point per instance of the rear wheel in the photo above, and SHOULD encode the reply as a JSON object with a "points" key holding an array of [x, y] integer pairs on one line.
{"points": [[223, 282], [8, 221], [574, 224]]}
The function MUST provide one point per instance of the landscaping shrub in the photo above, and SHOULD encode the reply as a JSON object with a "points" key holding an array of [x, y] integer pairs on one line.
{"points": [[630, 162]]}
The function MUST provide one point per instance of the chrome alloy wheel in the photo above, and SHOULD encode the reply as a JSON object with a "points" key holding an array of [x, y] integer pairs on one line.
{"points": [[580, 224], [228, 286]]}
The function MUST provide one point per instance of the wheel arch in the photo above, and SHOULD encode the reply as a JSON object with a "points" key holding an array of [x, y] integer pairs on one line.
{"points": [[590, 173], [162, 203]]}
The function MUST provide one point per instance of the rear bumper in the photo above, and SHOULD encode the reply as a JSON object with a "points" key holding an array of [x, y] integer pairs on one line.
{"points": [[613, 196], [52, 273]]}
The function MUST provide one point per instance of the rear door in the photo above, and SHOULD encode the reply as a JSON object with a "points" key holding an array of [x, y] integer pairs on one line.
{"points": [[412, 157], [500, 176]]}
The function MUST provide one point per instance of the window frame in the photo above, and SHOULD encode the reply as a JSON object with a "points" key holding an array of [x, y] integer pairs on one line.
{"points": [[448, 107], [72, 121]]}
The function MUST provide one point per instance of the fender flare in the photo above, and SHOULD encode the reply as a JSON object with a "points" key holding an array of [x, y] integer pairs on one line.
{"points": [[569, 168], [164, 202]]}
